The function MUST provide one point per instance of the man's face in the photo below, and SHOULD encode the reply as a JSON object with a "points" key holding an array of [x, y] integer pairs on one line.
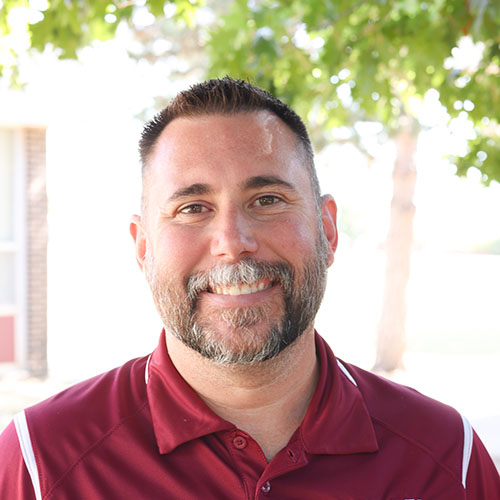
{"points": [[232, 242]]}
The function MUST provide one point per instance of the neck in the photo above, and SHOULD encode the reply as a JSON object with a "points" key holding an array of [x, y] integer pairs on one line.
{"points": [[267, 400]]}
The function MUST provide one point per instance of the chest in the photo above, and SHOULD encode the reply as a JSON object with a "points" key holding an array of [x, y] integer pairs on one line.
{"points": [[231, 466]]}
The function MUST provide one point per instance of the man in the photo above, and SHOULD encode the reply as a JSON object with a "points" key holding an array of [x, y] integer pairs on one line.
{"points": [[241, 399]]}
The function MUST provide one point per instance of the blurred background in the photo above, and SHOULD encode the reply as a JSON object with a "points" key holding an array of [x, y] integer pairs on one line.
{"points": [[401, 99]]}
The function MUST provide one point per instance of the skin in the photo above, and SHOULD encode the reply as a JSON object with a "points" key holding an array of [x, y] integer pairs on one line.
{"points": [[222, 188]]}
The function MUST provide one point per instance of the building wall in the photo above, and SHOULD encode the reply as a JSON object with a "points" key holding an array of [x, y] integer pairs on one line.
{"points": [[23, 251], [36, 251]]}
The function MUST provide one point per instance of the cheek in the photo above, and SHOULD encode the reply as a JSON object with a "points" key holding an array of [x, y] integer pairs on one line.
{"points": [[179, 250], [293, 237]]}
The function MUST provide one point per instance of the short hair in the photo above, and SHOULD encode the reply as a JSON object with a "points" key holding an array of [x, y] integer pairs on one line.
{"points": [[225, 96]]}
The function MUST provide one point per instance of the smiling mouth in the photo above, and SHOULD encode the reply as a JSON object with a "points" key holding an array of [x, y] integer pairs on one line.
{"points": [[242, 288]]}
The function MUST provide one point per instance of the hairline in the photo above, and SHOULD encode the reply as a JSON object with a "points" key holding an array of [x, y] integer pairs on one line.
{"points": [[300, 145]]}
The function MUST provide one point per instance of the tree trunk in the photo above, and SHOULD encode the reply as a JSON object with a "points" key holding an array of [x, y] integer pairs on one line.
{"points": [[391, 340]]}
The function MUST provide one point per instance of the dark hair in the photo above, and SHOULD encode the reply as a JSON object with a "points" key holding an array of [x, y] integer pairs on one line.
{"points": [[225, 96]]}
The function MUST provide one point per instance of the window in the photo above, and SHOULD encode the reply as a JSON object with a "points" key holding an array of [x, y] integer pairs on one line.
{"points": [[9, 246]]}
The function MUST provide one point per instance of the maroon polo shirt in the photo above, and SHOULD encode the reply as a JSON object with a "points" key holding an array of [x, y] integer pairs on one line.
{"points": [[140, 432]]}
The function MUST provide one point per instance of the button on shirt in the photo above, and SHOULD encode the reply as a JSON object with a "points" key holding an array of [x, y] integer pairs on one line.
{"points": [[140, 432]]}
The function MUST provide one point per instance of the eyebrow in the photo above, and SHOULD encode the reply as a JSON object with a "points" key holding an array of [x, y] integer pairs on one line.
{"points": [[192, 190], [260, 181], [256, 182]]}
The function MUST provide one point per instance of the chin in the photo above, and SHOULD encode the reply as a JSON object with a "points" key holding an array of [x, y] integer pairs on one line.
{"points": [[228, 345]]}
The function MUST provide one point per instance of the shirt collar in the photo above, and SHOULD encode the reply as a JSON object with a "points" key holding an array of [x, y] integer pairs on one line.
{"points": [[179, 415], [337, 421]]}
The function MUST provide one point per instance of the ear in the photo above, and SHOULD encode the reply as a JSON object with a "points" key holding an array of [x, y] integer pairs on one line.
{"points": [[329, 221], [139, 236]]}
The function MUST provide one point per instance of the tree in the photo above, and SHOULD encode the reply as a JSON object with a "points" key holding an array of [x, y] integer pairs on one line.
{"points": [[338, 62], [68, 25]]}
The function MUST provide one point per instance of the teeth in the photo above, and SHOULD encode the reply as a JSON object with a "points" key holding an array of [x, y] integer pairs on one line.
{"points": [[243, 289]]}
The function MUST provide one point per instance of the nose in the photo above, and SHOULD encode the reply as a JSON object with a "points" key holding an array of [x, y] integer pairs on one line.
{"points": [[233, 235]]}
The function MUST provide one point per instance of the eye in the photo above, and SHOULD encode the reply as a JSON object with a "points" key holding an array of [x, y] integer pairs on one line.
{"points": [[195, 208], [267, 200]]}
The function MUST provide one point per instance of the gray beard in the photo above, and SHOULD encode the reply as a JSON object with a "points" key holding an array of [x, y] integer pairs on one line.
{"points": [[179, 312]]}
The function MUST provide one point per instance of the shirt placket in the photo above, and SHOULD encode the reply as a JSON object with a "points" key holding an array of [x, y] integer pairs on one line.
{"points": [[248, 458], [290, 458], [256, 473]]}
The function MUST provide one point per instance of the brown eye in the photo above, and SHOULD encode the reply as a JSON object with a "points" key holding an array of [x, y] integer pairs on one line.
{"points": [[265, 201], [192, 209]]}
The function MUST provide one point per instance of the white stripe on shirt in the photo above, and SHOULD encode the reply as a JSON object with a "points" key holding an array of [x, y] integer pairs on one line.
{"points": [[346, 373], [146, 371], [468, 438], [23, 434]]}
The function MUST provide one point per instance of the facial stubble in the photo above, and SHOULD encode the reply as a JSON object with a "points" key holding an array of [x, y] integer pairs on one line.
{"points": [[240, 341]]}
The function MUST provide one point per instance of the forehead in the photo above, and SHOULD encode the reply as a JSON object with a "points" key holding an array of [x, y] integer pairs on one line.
{"points": [[224, 145]]}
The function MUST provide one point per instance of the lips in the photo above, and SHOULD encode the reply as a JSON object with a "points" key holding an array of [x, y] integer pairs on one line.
{"points": [[241, 288]]}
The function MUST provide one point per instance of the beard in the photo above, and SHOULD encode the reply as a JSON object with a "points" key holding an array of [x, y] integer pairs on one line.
{"points": [[241, 335]]}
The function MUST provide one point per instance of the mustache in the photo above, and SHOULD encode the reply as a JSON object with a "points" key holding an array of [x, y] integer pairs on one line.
{"points": [[246, 271]]}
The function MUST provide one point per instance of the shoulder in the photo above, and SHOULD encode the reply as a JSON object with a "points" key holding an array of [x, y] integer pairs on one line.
{"points": [[98, 403], [15, 481], [75, 419], [406, 418], [402, 408], [80, 420], [103, 399], [415, 432]]}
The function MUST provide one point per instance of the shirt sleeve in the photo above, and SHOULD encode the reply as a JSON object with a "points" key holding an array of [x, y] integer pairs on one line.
{"points": [[483, 480], [15, 481]]}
